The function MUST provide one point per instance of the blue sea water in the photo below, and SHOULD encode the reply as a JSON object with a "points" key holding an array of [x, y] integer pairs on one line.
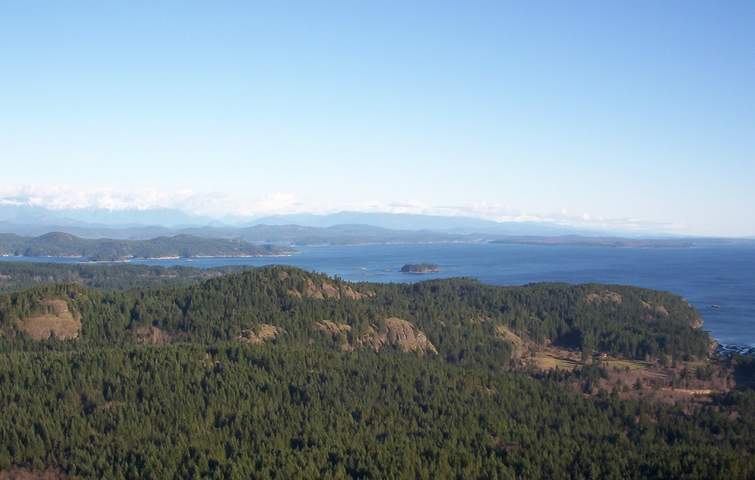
{"points": [[722, 276]]}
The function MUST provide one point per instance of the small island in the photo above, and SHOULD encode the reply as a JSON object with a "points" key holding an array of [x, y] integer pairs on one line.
{"points": [[420, 268]]}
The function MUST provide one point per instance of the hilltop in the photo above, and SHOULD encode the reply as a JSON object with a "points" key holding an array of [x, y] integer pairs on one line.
{"points": [[277, 372], [630, 321]]}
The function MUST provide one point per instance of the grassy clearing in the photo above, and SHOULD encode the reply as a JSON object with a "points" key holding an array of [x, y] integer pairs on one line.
{"points": [[58, 320], [549, 360], [624, 364]]}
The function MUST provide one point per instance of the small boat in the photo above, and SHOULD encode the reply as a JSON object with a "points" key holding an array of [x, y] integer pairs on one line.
{"points": [[715, 306]]}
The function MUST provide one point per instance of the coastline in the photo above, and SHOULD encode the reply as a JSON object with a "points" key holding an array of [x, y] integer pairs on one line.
{"points": [[729, 350], [691, 277], [85, 260]]}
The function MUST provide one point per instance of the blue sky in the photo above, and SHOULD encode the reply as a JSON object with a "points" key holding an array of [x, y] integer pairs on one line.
{"points": [[639, 115]]}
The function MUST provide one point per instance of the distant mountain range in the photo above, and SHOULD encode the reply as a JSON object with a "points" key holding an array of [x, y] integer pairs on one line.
{"points": [[36, 215], [303, 229], [279, 234], [576, 240], [344, 228], [414, 222], [29, 217], [333, 235], [58, 244]]}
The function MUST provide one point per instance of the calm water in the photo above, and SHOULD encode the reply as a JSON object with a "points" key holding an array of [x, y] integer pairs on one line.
{"points": [[705, 276]]}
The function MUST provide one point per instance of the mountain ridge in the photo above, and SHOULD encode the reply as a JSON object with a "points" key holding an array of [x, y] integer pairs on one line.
{"points": [[177, 219]]}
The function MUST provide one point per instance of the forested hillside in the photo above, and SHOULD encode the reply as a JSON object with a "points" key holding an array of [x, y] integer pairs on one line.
{"points": [[239, 411], [58, 244], [279, 373], [459, 315], [16, 276]]}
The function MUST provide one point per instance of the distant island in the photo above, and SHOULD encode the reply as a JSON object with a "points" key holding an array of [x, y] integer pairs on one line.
{"points": [[579, 240], [420, 268], [63, 245]]}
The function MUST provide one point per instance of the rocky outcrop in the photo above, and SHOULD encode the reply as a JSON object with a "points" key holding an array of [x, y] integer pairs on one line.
{"points": [[661, 310], [337, 332], [260, 334], [397, 333], [332, 328], [56, 320], [606, 297], [656, 309], [327, 290]]}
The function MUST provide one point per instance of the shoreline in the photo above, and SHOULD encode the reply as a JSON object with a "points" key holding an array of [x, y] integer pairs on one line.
{"points": [[733, 321], [84, 260], [730, 349]]}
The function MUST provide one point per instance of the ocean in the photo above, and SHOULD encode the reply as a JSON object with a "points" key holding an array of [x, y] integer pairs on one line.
{"points": [[718, 281]]}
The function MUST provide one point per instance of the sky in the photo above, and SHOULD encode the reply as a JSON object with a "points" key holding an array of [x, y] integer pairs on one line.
{"points": [[639, 114]]}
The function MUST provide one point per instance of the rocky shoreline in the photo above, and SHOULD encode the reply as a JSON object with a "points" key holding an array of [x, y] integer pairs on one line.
{"points": [[730, 350]]}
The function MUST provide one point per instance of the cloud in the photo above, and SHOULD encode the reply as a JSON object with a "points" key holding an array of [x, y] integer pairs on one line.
{"points": [[505, 213], [279, 202], [57, 197], [222, 205]]}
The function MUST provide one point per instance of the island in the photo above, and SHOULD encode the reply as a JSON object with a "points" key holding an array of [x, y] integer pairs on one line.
{"points": [[420, 268], [64, 245], [589, 241]]}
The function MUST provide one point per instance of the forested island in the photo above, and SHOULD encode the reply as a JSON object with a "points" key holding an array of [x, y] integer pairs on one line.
{"points": [[56, 244], [595, 241], [275, 372], [21, 275], [420, 268]]}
